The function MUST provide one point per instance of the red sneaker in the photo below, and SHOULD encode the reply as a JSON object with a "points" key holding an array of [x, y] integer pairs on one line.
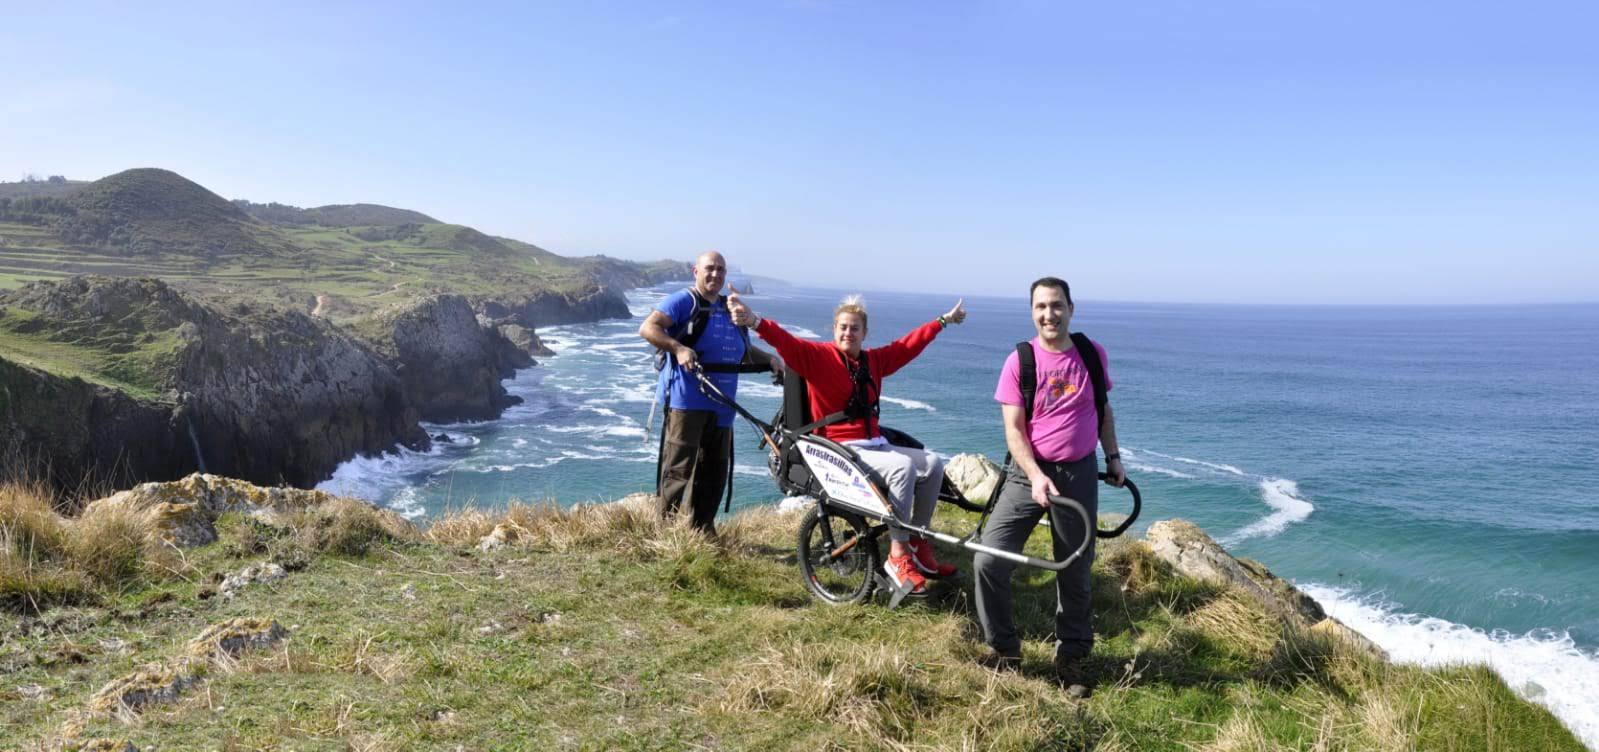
{"points": [[929, 565], [904, 575]]}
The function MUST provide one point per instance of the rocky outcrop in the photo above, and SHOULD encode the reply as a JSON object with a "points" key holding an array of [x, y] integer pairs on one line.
{"points": [[167, 681], [1191, 552], [449, 364], [974, 474], [526, 340], [553, 308], [267, 395], [207, 497], [69, 430]]}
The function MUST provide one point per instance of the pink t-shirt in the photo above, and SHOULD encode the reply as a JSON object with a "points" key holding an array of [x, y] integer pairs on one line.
{"points": [[1065, 425]]}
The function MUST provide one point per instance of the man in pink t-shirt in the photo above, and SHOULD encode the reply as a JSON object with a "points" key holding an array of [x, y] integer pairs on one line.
{"points": [[1052, 453]]}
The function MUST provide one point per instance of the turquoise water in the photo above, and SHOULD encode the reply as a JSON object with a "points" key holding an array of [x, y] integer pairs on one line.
{"points": [[1429, 474]]}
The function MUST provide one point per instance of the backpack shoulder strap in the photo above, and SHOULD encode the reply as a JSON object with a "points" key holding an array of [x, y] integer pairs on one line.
{"points": [[698, 319], [1096, 372], [1027, 369]]}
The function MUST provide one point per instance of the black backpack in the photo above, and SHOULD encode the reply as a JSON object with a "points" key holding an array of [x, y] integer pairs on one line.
{"points": [[1027, 367], [690, 330]]}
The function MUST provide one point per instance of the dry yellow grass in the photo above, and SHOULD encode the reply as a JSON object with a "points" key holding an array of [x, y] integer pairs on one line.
{"points": [[1240, 621]]}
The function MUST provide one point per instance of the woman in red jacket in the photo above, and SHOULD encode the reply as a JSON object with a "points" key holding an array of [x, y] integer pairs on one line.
{"points": [[842, 377]]}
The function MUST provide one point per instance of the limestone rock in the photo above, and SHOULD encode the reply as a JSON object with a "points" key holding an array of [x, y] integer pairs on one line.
{"points": [[165, 682], [638, 501], [183, 524], [504, 534], [234, 636], [449, 364], [974, 474], [153, 683], [526, 339], [256, 573], [1193, 553]]}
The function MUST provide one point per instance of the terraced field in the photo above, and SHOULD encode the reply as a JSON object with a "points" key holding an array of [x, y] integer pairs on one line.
{"points": [[352, 275]]}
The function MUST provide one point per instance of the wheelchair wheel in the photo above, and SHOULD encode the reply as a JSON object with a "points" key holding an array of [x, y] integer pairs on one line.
{"points": [[837, 557]]}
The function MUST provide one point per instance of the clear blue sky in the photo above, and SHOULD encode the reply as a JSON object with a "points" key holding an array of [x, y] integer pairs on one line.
{"points": [[1199, 151]]}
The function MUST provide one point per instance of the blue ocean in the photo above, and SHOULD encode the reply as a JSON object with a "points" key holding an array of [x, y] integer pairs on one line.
{"points": [[1430, 474]]}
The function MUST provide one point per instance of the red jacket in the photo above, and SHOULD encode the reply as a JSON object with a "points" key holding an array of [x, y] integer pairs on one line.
{"points": [[829, 380]]}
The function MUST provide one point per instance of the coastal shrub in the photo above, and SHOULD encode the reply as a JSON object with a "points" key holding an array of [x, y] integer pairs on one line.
{"points": [[242, 535], [625, 526], [347, 527], [108, 543], [461, 527], [29, 522], [1300, 656], [30, 586]]}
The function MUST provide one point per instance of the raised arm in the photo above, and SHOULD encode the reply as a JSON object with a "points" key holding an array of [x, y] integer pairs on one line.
{"points": [[895, 355]]}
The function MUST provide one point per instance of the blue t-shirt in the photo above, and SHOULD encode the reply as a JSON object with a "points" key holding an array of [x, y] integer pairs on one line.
{"points": [[721, 343]]}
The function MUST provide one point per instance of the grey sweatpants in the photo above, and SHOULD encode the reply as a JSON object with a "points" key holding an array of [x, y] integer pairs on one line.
{"points": [[913, 477], [1012, 521]]}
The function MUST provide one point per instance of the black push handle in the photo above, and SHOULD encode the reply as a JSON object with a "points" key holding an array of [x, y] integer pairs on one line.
{"points": [[1138, 505]]}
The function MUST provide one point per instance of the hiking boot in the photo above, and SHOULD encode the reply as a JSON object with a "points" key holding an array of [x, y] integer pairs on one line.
{"points": [[904, 575], [1001, 660], [1074, 676], [926, 563]]}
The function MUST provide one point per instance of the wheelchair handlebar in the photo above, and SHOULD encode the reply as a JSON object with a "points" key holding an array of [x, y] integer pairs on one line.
{"points": [[1138, 505]]}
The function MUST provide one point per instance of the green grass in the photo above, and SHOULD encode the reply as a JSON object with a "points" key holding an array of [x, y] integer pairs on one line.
{"points": [[602, 630], [134, 361]]}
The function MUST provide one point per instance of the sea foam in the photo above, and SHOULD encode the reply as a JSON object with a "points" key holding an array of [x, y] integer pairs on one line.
{"points": [[1543, 666], [1288, 505], [910, 404]]}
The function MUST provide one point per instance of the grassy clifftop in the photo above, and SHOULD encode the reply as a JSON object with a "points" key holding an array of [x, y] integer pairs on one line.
{"points": [[599, 628]]}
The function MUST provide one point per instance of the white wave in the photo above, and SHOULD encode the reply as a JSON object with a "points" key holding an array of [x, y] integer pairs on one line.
{"points": [[910, 404], [379, 476], [795, 503], [1143, 468], [1283, 496], [1544, 666], [759, 389], [607, 412], [457, 440], [1212, 465], [759, 472], [408, 502], [518, 443], [618, 393]]}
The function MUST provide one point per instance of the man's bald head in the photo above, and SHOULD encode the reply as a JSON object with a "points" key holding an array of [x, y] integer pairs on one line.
{"points": [[710, 273]]}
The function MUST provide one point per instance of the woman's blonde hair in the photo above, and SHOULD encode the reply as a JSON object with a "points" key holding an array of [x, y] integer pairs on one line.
{"points": [[851, 304]]}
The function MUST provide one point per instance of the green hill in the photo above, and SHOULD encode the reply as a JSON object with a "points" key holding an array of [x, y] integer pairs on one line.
{"points": [[54, 187], [342, 261], [333, 215], [149, 211]]}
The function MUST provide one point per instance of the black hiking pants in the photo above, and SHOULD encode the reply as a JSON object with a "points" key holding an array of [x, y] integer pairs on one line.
{"points": [[694, 453]]}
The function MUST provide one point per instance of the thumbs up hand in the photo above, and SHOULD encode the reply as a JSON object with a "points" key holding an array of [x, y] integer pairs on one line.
{"points": [[742, 315], [957, 314]]}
